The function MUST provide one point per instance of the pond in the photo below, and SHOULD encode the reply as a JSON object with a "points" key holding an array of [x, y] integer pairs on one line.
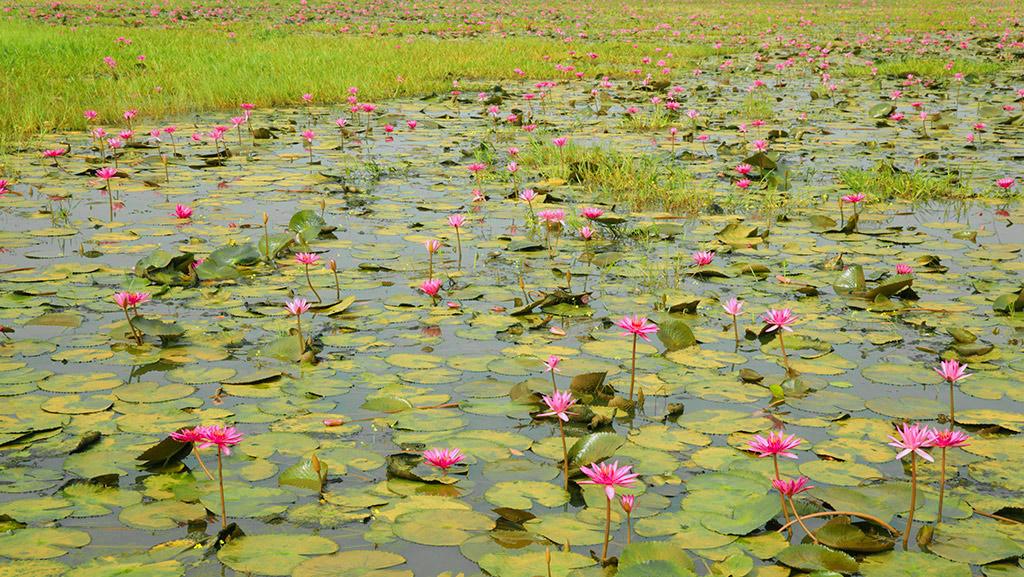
{"points": [[329, 479]]}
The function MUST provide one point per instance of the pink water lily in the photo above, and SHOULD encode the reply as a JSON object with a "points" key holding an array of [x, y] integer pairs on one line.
{"points": [[558, 404], [779, 319], [775, 444], [444, 459], [913, 438], [952, 371], [182, 211], [790, 487], [297, 307], [610, 476], [703, 257], [904, 269], [592, 212]]}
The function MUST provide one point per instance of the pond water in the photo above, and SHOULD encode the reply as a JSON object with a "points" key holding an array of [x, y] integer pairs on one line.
{"points": [[858, 364]]}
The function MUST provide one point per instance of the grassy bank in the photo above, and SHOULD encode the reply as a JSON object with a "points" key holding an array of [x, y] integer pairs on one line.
{"points": [[53, 74]]}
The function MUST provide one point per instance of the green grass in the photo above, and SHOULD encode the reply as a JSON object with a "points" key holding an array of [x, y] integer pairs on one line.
{"points": [[52, 75], [927, 68], [636, 180], [885, 183]]}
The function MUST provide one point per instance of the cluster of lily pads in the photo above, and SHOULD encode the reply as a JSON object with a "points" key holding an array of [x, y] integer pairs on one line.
{"points": [[455, 325]]}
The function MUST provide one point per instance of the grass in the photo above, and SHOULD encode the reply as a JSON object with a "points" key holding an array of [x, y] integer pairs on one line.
{"points": [[52, 75], [927, 68], [636, 180], [885, 182]]}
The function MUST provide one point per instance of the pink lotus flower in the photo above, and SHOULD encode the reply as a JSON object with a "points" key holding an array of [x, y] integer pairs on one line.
{"points": [[53, 152], [733, 306], [912, 439], [443, 459], [476, 167], [297, 306], [609, 476], [247, 106], [307, 98], [308, 135], [586, 233], [1004, 183], [137, 298], [222, 437], [627, 503], [412, 124], [182, 211], [792, 487], [90, 114], [552, 216], [551, 364], [431, 287], [776, 444], [948, 438], [560, 141], [592, 212], [307, 258], [744, 169], [637, 326], [433, 245], [703, 257], [904, 269], [456, 220], [106, 173], [952, 371], [193, 435], [558, 404], [123, 299], [854, 198], [760, 145], [779, 319], [744, 183], [528, 195]]}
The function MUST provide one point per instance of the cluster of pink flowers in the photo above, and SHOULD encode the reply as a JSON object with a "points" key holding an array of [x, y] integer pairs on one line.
{"points": [[210, 436]]}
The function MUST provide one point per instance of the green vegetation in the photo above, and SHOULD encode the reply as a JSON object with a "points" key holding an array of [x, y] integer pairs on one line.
{"points": [[887, 182], [639, 181]]}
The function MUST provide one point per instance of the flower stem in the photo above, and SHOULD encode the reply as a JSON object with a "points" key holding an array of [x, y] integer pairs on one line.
{"points": [[785, 358], [952, 412], [629, 527], [632, 374], [565, 455], [736, 331], [458, 240], [553, 385], [131, 325], [302, 342], [942, 485], [913, 498], [778, 477], [871, 518], [110, 201], [801, 521], [310, 283], [220, 476], [195, 451], [607, 530]]}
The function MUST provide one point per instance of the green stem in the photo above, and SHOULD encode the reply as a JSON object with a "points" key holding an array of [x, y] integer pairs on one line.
{"points": [[632, 374], [565, 453], [195, 450], [942, 485], [220, 476], [913, 499], [782, 498], [607, 530], [302, 342], [310, 283], [801, 521]]}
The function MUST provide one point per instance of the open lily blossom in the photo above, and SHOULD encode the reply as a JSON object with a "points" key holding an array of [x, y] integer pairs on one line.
{"points": [[774, 444], [736, 247], [779, 319], [558, 404], [443, 459], [913, 438]]}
